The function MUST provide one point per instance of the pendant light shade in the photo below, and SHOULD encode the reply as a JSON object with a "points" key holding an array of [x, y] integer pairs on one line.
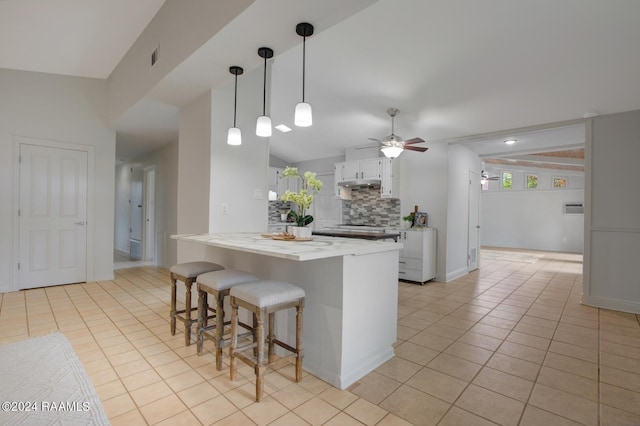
{"points": [[303, 115], [263, 125], [234, 136]]}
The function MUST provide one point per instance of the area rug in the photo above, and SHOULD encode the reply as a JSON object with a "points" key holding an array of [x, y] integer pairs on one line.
{"points": [[42, 382]]}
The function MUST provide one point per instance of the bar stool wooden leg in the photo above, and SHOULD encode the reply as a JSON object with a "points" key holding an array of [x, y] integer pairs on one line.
{"points": [[187, 313], [260, 366], [299, 350], [233, 361], [203, 304], [271, 337], [219, 328], [173, 306]]}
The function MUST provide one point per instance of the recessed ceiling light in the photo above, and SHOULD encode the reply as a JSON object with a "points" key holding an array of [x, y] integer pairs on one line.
{"points": [[283, 128], [510, 141]]}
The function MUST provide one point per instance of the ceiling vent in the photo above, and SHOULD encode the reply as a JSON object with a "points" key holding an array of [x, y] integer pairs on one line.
{"points": [[573, 208], [154, 56]]}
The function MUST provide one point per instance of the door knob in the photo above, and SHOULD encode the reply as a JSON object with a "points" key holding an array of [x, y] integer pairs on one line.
{"points": [[78, 223]]}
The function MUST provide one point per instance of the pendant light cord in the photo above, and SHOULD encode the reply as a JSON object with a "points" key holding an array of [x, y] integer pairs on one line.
{"points": [[304, 54], [235, 100], [264, 88]]}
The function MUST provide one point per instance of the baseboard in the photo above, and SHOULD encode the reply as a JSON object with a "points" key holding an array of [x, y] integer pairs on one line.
{"points": [[614, 304], [456, 274]]}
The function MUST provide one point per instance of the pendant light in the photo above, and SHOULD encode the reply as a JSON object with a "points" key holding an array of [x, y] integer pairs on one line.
{"points": [[234, 136], [303, 116], [263, 125]]}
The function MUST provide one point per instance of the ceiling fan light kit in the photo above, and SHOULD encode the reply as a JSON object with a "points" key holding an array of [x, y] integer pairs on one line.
{"points": [[303, 115], [263, 124], [391, 151], [234, 135]]}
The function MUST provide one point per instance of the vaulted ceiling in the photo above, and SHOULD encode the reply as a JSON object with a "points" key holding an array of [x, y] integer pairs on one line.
{"points": [[460, 71]]}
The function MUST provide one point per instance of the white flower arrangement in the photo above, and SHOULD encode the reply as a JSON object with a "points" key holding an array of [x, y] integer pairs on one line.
{"points": [[310, 185]]}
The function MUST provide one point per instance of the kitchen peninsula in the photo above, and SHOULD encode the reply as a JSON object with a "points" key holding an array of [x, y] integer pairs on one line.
{"points": [[351, 285]]}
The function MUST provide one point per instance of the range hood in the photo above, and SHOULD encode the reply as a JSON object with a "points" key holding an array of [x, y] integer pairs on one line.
{"points": [[361, 183]]}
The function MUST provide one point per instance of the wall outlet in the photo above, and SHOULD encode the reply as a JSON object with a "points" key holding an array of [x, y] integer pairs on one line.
{"points": [[224, 208]]}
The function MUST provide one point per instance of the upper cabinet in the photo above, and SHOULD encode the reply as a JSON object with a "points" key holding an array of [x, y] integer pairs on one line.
{"points": [[379, 169], [362, 169]]}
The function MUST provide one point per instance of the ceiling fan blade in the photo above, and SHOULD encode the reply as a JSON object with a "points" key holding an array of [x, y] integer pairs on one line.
{"points": [[374, 139], [414, 140], [415, 148]]}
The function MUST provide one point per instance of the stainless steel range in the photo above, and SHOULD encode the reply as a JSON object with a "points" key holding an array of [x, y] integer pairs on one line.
{"points": [[358, 231]]}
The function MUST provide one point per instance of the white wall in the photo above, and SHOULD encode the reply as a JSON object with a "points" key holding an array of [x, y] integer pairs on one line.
{"points": [[194, 147], [63, 109], [612, 221], [423, 182], [239, 173], [532, 218], [461, 161]]}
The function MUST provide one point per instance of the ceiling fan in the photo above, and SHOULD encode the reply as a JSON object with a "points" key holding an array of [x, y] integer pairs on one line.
{"points": [[393, 145], [484, 176]]}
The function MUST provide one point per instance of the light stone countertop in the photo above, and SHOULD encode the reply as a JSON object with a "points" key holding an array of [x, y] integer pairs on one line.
{"points": [[319, 248]]}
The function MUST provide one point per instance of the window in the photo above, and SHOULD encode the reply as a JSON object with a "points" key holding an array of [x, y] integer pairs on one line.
{"points": [[507, 180], [532, 181], [559, 182]]}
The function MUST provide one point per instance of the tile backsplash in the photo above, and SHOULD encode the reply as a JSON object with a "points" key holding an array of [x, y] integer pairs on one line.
{"points": [[366, 207], [274, 209]]}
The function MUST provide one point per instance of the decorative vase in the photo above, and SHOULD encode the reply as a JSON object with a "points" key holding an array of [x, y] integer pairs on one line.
{"points": [[301, 232]]}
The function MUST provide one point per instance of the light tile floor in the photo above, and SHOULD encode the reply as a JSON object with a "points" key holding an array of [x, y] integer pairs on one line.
{"points": [[507, 344]]}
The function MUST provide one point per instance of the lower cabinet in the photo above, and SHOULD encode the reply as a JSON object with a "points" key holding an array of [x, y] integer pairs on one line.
{"points": [[276, 229], [418, 257]]}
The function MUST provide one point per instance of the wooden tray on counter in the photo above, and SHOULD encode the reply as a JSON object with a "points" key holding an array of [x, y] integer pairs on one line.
{"points": [[283, 238]]}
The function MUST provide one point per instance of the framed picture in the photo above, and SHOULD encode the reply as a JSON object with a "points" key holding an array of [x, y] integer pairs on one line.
{"points": [[420, 220]]}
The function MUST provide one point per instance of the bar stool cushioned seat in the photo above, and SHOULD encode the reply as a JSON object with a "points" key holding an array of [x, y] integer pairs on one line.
{"points": [[187, 272], [217, 283], [264, 298]]}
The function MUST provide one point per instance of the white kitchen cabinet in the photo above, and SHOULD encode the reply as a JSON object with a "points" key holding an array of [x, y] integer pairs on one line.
{"points": [[389, 179], [418, 256], [276, 229], [370, 168], [338, 177], [380, 169]]}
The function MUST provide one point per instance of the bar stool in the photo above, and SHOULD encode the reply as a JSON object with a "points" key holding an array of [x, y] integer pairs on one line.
{"points": [[187, 273], [262, 298], [218, 284]]}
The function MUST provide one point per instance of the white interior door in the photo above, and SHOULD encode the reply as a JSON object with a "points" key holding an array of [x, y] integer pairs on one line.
{"points": [[52, 216], [474, 220], [149, 212]]}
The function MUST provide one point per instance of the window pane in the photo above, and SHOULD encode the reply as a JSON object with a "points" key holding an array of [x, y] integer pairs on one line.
{"points": [[506, 180], [559, 182], [532, 181]]}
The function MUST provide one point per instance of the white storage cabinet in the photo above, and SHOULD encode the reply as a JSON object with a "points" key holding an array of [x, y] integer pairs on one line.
{"points": [[418, 256]]}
